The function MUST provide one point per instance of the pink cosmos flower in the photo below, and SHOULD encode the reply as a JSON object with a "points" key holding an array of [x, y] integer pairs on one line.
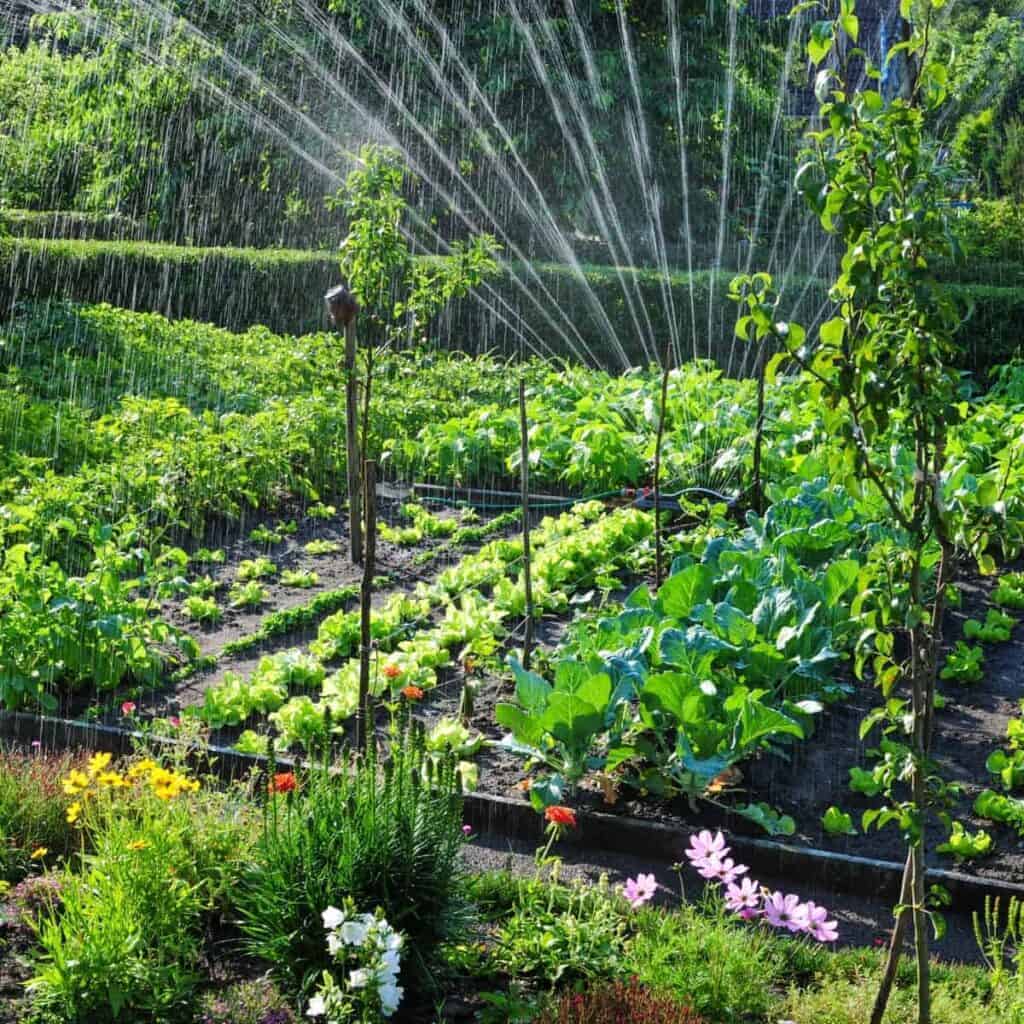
{"points": [[743, 899], [725, 871], [705, 846], [785, 912], [817, 925], [640, 890]]}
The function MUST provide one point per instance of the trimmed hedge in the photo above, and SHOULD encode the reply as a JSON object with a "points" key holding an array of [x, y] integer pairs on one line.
{"points": [[283, 289], [68, 224]]}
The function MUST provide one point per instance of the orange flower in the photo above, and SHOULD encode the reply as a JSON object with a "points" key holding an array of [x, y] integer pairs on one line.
{"points": [[559, 815], [412, 692], [392, 671], [283, 782]]}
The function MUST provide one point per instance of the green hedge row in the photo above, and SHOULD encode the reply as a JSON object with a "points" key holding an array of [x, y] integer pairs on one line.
{"points": [[549, 308], [68, 224]]}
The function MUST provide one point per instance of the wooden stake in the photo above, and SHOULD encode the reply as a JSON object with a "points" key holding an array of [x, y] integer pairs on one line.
{"points": [[758, 501], [666, 366], [524, 480], [364, 719], [352, 455]]}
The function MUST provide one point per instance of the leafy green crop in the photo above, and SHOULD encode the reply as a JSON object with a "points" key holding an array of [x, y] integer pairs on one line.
{"points": [[255, 569], [837, 823], [964, 664], [203, 609], [299, 578], [995, 629], [1007, 810], [965, 846], [1010, 591], [322, 547], [557, 725], [248, 595]]}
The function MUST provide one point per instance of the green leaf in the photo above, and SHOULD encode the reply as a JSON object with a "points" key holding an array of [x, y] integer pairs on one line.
{"points": [[532, 691], [570, 720], [675, 693], [686, 589], [771, 820], [837, 822], [839, 577], [850, 24], [820, 43], [525, 729], [757, 721]]}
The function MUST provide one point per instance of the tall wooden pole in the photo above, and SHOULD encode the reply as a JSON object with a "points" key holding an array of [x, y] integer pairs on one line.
{"points": [[364, 717], [758, 495], [524, 482], [342, 309], [352, 454], [666, 367]]}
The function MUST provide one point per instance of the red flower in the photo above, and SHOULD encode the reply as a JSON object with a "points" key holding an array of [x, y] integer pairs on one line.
{"points": [[559, 815], [283, 782], [128, 708], [392, 671], [412, 692]]}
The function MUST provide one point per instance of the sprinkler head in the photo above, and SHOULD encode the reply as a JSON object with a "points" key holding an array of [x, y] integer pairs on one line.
{"points": [[341, 306]]}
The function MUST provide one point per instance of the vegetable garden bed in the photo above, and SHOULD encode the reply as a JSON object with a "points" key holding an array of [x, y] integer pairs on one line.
{"points": [[802, 780]]}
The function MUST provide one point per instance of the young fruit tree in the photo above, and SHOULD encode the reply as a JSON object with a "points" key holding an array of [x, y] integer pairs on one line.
{"points": [[882, 370], [397, 294]]}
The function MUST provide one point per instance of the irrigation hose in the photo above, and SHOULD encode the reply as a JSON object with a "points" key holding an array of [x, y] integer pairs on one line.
{"points": [[643, 495]]}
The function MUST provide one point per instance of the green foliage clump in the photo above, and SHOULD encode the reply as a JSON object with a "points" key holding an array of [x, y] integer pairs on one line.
{"points": [[32, 808], [380, 832]]}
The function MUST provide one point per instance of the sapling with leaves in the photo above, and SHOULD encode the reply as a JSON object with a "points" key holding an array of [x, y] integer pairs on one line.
{"points": [[398, 294], [881, 369]]}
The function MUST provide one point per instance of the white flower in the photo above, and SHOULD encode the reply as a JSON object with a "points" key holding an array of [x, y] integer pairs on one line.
{"points": [[317, 1007], [333, 917], [360, 978], [391, 959], [394, 940], [390, 997], [353, 933], [334, 944]]}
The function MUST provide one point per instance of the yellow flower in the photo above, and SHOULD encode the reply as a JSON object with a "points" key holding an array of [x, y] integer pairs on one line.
{"points": [[98, 763], [112, 780], [39, 853], [138, 844], [73, 812], [75, 782], [142, 768]]}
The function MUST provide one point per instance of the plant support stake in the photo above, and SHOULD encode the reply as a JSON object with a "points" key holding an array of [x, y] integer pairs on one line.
{"points": [[342, 308], [364, 721], [524, 479], [666, 366]]}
